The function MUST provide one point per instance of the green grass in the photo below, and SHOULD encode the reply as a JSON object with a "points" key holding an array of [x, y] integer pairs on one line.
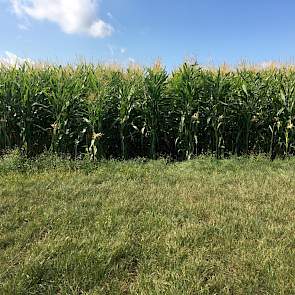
{"points": [[197, 227]]}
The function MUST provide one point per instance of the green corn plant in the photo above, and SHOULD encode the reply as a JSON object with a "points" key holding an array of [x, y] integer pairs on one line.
{"points": [[217, 92], [250, 89], [27, 96], [5, 108], [286, 112], [95, 113], [66, 98], [154, 106], [127, 105], [184, 90]]}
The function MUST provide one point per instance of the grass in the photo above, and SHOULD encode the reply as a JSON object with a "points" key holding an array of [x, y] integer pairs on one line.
{"points": [[197, 227]]}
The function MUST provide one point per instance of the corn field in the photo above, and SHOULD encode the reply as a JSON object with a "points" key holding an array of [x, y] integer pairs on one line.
{"points": [[109, 112]]}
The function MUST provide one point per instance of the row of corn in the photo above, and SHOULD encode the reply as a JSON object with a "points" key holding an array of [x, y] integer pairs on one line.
{"points": [[110, 112]]}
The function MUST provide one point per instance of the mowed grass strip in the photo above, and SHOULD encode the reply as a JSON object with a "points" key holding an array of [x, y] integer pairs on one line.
{"points": [[196, 227]]}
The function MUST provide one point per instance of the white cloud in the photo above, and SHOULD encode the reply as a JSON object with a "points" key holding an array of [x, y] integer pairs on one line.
{"points": [[23, 27], [73, 16], [131, 60], [115, 50], [111, 49], [11, 59]]}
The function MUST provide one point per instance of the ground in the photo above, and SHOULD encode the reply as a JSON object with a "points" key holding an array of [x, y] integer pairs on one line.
{"points": [[197, 227]]}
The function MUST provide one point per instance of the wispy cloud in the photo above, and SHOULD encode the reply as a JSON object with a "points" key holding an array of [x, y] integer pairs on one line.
{"points": [[23, 27], [110, 15], [11, 59], [111, 50], [115, 50], [72, 16], [131, 60]]}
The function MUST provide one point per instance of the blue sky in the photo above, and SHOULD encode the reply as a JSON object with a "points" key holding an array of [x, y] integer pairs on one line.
{"points": [[212, 31]]}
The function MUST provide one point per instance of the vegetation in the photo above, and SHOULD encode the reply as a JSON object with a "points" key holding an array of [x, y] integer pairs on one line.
{"points": [[195, 227], [72, 225], [110, 112]]}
